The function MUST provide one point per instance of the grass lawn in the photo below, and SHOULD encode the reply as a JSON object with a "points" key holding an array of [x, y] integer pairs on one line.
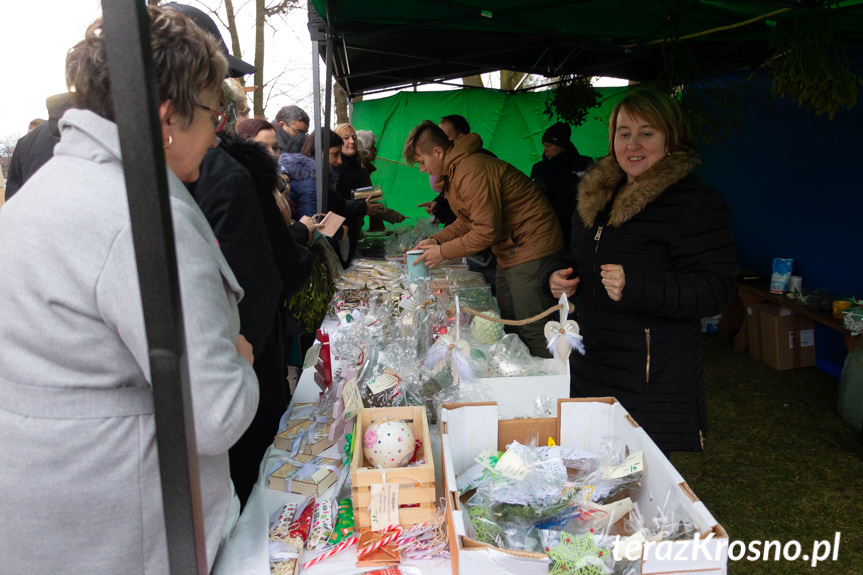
{"points": [[779, 462]]}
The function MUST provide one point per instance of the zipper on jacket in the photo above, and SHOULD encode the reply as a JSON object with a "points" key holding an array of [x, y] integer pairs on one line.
{"points": [[647, 366], [595, 250]]}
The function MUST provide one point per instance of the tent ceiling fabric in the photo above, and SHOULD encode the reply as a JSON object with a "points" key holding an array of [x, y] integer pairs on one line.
{"points": [[391, 43]]}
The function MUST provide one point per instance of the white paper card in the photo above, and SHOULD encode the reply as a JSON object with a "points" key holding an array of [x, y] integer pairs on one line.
{"points": [[383, 382], [488, 458], [384, 508], [512, 466], [312, 356], [807, 337], [632, 464], [351, 397]]}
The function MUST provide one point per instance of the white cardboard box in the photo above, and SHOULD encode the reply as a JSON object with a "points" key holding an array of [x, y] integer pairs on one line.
{"points": [[516, 396], [467, 429]]}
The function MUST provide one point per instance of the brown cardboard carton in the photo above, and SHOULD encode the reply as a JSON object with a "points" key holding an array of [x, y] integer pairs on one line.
{"points": [[787, 338], [754, 326]]}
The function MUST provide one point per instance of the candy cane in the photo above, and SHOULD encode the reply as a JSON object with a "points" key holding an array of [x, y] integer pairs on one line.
{"points": [[395, 531], [341, 546]]}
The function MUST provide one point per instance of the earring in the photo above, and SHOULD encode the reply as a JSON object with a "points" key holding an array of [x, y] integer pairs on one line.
{"points": [[170, 141]]}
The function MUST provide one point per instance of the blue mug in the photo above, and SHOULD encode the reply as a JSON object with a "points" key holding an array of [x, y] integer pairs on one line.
{"points": [[419, 271]]}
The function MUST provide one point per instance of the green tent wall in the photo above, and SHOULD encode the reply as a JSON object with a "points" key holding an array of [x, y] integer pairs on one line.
{"points": [[511, 126]]}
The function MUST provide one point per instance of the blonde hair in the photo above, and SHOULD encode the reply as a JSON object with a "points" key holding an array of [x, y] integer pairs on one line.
{"points": [[186, 61]]}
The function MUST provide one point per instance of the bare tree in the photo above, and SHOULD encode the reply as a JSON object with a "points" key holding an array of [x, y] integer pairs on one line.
{"points": [[341, 101], [264, 11], [7, 146]]}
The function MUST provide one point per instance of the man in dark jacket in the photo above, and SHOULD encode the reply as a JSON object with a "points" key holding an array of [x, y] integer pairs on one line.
{"points": [[292, 125], [238, 212], [37, 147], [558, 174]]}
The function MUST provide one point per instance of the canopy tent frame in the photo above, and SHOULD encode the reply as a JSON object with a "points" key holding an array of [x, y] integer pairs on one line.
{"points": [[136, 104]]}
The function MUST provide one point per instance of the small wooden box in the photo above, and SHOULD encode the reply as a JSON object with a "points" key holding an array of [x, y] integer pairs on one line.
{"points": [[285, 440], [278, 478], [416, 484]]}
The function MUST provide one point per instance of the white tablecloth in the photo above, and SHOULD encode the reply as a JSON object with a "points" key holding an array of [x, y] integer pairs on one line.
{"points": [[247, 551]]}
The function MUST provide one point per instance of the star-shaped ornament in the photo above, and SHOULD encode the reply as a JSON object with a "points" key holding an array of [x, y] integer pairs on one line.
{"points": [[578, 555]]}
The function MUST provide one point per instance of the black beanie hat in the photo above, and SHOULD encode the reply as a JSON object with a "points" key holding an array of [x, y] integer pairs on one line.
{"points": [[558, 134]]}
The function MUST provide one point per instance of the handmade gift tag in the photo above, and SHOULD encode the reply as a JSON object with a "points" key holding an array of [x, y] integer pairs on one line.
{"points": [[384, 508], [511, 465], [632, 464], [351, 397]]}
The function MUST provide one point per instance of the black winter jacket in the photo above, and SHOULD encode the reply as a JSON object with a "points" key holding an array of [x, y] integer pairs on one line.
{"points": [[34, 149], [559, 177], [351, 176], [670, 231], [243, 214]]}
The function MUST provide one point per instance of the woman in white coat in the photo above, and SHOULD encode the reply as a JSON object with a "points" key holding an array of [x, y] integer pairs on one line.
{"points": [[79, 478]]}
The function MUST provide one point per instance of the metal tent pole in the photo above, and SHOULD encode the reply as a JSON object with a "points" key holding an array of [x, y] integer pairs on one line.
{"points": [[135, 99], [317, 31]]}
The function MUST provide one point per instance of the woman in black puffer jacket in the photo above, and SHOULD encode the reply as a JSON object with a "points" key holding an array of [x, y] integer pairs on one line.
{"points": [[651, 254]]}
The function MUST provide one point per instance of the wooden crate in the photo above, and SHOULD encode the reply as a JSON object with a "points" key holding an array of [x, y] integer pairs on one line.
{"points": [[416, 484]]}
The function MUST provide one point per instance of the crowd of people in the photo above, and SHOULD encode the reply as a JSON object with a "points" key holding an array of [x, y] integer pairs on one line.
{"points": [[640, 243]]}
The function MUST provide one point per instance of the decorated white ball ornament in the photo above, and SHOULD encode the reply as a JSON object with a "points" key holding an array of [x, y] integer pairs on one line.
{"points": [[389, 443], [485, 331]]}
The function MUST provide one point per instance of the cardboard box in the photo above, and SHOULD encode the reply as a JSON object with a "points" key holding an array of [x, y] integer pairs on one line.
{"points": [[417, 502], [787, 338], [468, 429], [319, 482], [753, 324], [516, 396]]}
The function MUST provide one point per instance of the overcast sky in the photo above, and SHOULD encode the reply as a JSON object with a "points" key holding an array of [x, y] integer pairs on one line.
{"points": [[36, 34]]}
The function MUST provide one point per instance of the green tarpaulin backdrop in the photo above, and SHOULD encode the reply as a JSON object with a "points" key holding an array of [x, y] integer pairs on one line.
{"points": [[511, 126]]}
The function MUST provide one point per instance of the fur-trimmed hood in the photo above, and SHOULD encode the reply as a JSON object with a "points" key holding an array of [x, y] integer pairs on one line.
{"points": [[297, 166], [255, 158], [599, 183]]}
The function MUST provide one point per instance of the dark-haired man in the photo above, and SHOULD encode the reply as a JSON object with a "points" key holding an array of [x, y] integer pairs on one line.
{"points": [[496, 207], [292, 125]]}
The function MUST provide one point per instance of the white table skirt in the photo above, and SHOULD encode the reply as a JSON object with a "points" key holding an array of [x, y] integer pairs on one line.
{"points": [[247, 551]]}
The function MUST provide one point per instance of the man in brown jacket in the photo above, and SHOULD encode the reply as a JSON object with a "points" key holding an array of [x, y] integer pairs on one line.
{"points": [[496, 206]]}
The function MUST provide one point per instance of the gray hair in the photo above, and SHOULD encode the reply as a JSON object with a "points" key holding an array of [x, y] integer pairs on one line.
{"points": [[289, 114], [365, 140]]}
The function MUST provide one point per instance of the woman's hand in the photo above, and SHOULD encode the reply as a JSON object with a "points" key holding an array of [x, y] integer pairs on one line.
{"points": [[312, 226], [374, 208], [560, 283], [613, 279], [244, 348]]}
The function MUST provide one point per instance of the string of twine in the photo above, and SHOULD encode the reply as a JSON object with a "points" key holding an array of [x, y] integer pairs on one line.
{"points": [[524, 321]]}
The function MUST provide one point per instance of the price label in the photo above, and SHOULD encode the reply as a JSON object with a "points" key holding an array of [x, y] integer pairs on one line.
{"points": [[488, 458], [351, 397], [383, 382], [632, 464], [511, 465], [312, 356], [384, 508]]}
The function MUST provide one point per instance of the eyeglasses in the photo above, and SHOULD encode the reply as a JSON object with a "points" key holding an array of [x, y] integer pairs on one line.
{"points": [[219, 117]]}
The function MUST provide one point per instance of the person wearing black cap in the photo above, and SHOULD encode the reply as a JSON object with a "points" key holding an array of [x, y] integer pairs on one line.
{"points": [[558, 174], [236, 67], [227, 195]]}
